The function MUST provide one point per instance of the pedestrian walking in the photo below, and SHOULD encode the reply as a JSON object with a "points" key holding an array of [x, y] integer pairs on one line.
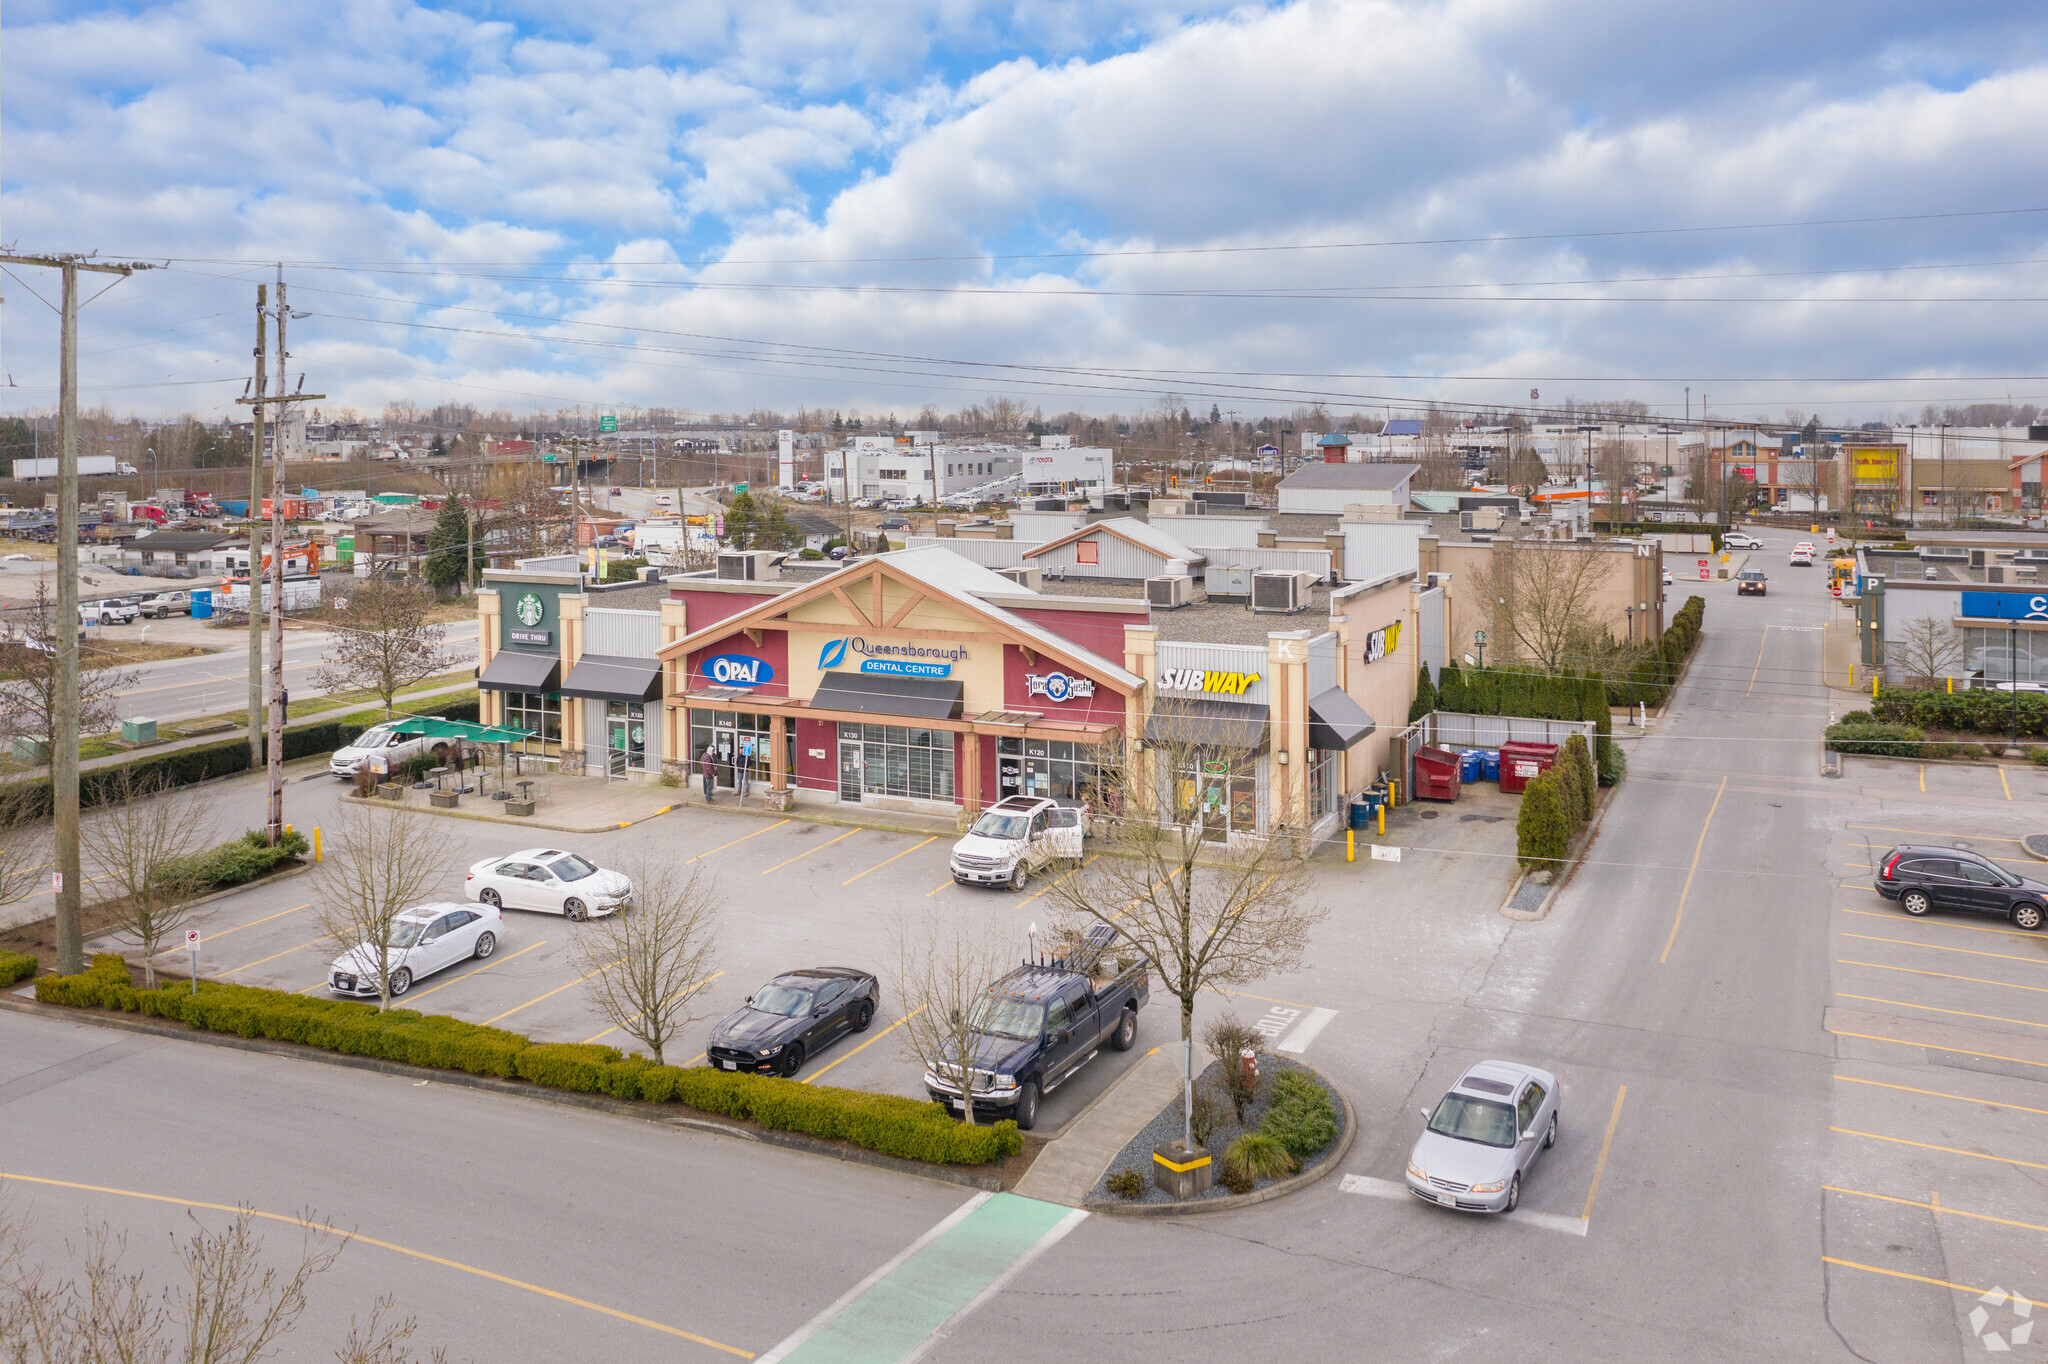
{"points": [[709, 766]]}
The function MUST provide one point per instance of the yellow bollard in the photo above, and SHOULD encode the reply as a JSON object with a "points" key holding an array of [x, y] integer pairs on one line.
{"points": [[287, 828], [1951, 686], [1873, 685], [1382, 812], [316, 842], [1350, 845]]}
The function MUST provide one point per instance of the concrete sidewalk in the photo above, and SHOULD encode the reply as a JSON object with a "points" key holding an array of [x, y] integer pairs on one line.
{"points": [[1068, 1167], [575, 805]]}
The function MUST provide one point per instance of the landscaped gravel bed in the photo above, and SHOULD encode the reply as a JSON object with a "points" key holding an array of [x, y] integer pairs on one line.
{"points": [[1169, 1125]]}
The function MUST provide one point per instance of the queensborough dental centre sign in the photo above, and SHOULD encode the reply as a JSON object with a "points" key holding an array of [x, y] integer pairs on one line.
{"points": [[894, 660]]}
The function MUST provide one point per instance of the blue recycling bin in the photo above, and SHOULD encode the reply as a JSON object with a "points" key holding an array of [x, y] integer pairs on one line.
{"points": [[1471, 765], [1492, 765], [202, 604]]}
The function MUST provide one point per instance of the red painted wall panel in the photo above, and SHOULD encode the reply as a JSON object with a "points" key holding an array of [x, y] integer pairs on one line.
{"points": [[1104, 707], [817, 775], [773, 649], [1098, 631]]}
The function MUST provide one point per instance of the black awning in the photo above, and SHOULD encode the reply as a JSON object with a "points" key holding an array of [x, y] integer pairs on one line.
{"points": [[919, 698], [1208, 724], [512, 670], [604, 678], [1336, 722]]}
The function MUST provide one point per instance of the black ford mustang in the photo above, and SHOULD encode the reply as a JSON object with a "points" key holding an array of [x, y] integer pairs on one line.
{"points": [[793, 1017]]}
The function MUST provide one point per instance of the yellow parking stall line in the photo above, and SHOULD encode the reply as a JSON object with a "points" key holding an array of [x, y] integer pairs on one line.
{"points": [[303, 1222], [479, 970], [887, 860], [1901, 1274], [1263, 999], [552, 993], [2008, 861], [1606, 1143], [1923, 779], [1946, 1150], [1929, 1008], [1933, 833], [1942, 975], [813, 1077], [310, 942], [808, 851], [939, 887], [212, 936], [1938, 1208], [737, 841], [1938, 1094], [1054, 882], [1935, 1046], [1937, 947], [1944, 923], [636, 1017], [1759, 663], [2004, 783]]}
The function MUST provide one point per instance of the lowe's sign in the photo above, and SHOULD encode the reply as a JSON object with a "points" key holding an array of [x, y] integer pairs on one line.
{"points": [[738, 670], [2006, 605]]}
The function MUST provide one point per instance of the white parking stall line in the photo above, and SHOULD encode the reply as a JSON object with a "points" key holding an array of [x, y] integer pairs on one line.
{"points": [[1306, 1031], [1367, 1186]]}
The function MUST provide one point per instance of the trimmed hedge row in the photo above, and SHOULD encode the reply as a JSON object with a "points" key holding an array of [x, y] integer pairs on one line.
{"points": [[1656, 673], [235, 862], [1858, 732], [1546, 821], [1526, 692], [894, 1126], [190, 766], [15, 966], [1980, 711], [1301, 1115]]}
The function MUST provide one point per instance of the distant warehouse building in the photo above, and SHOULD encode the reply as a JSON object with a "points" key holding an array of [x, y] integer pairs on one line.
{"points": [[1330, 488]]}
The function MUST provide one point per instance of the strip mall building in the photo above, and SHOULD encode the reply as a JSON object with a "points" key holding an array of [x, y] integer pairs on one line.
{"points": [[919, 680]]}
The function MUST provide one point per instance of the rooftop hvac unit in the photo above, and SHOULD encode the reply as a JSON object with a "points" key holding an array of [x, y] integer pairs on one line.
{"points": [[749, 565], [1026, 576], [1281, 592], [1977, 558], [1231, 582], [1163, 594]]}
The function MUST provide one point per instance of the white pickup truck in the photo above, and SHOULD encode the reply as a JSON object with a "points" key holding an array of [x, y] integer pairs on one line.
{"points": [[109, 612]]}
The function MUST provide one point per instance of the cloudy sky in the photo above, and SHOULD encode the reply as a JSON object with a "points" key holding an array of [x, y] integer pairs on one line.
{"points": [[877, 204]]}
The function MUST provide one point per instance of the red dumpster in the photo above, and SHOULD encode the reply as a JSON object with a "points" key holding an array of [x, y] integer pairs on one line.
{"points": [[1436, 774], [1519, 762]]}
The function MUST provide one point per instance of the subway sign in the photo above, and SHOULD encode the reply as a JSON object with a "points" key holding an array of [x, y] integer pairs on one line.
{"points": [[1206, 680], [738, 670], [1380, 643]]}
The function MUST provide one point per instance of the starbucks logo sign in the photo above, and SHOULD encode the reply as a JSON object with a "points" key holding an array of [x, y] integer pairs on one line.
{"points": [[529, 609]]}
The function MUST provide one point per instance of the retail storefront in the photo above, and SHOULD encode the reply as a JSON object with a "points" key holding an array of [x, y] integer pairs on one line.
{"points": [[585, 678], [892, 684]]}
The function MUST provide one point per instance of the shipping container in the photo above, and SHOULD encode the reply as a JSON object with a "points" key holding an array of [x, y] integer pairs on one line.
{"points": [[88, 466]]}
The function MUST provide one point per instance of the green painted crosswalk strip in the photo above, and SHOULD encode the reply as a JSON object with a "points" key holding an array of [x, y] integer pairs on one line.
{"points": [[889, 1318]]}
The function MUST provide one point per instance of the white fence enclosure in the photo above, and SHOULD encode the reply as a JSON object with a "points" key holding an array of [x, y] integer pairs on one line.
{"points": [[1448, 729]]}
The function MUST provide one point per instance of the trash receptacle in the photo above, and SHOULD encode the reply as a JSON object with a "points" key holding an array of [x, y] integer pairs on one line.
{"points": [[1491, 771], [202, 604], [1436, 774], [1362, 811], [1520, 763], [1471, 765]]}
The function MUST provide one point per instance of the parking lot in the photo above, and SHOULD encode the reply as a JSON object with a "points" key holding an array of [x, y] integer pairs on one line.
{"points": [[1935, 1166]]}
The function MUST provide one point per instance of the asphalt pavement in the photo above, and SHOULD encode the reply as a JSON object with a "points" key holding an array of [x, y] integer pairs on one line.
{"points": [[1796, 1124]]}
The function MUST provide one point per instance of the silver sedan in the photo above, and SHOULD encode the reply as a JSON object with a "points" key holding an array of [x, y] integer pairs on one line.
{"points": [[1483, 1136]]}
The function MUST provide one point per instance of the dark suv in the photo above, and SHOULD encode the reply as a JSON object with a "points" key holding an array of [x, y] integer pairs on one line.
{"points": [[1751, 582], [1921, 879]]}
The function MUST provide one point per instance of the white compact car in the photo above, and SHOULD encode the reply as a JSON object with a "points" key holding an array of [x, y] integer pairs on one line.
{"points": [[424, 939], [549, 880], [1015, 837], [1483, 1136]]}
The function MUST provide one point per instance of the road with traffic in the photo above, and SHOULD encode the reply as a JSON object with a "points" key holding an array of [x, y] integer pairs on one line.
{"points": [[1796, 1125]]}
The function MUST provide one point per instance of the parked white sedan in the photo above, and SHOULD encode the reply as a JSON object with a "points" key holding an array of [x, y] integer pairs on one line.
{"points": [[550, 880], [424, 939]]}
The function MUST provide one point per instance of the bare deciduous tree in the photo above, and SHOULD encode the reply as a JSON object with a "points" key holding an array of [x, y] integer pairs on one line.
{"points": [[383, 859], [944, 966], [386, 642], [142, 838], [646, 966], [1207, 911], [24, 843], [1927, 648], [1807, 478], [1542, 598], [28, 676], [231, 1308]]}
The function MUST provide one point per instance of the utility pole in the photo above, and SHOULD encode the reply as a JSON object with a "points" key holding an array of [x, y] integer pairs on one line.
{"points": [[64, 859], [258, 411], [272, 720]]}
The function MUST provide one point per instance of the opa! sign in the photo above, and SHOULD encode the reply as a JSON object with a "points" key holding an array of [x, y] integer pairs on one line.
{"points": [[738, 670]]}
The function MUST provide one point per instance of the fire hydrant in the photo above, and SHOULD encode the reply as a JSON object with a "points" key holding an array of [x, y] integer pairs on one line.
{"points": [[1248, 1062]]}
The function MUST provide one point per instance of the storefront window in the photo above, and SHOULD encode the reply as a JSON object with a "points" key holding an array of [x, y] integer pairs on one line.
{"points": [[1058, 768], [1223, 797], [895, 760], [1322, 783], [1997, 655], [539, 714], [742, 744]]}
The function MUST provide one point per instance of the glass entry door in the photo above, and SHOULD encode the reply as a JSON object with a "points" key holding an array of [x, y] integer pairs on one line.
{"points": [[625, 738], [849, 770]]}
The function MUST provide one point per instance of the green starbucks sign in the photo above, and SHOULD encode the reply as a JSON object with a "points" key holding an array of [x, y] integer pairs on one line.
{"points": [[529, 611]]}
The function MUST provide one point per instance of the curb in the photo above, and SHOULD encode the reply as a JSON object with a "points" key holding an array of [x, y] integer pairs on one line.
{"points": [[609, 826], [1116, 1207], [491, 1084], [814, 816], [1564, 877], [2036, 845]]}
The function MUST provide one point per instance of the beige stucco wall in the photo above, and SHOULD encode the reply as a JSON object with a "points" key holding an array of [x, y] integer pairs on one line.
{"points": [[1384, 688], [930, 624], [1630, 579]]}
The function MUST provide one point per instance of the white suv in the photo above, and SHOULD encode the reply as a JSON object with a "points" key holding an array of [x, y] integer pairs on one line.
{"points": [[1015, 837], [382, 750]]}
